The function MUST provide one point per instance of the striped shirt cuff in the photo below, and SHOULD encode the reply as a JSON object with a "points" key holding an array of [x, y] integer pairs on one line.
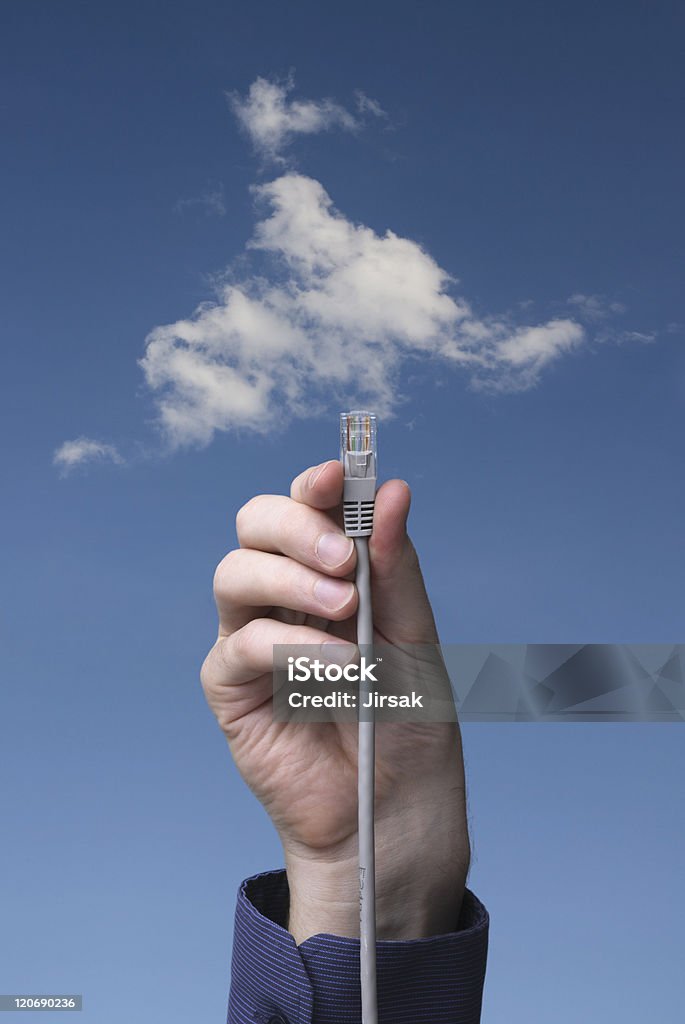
{"points": [[421, 981]]}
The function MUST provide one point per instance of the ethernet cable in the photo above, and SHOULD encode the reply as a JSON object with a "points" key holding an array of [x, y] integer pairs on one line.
{"points": [[358, 453]]}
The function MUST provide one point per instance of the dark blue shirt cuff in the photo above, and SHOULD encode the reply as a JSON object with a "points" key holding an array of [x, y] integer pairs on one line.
{"points": [[421, 981]]}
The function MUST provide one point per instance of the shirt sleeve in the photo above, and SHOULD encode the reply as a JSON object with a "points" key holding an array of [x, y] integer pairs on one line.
{"points": [[421, 981]]}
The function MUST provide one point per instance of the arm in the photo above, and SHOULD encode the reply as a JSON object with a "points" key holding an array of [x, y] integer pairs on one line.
{"points": [[287, 584]]}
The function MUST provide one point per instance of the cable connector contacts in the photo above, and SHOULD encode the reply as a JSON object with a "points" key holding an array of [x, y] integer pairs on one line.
{"points": [[358, 454]]}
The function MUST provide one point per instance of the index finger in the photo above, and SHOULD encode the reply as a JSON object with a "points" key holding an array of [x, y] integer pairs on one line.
{"points": [[320, 486]]}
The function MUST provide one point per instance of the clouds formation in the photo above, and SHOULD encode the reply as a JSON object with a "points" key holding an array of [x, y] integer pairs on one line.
{"points": [[331, 311], [343, 309], [82, 450], [601, 312], [271, 119]]}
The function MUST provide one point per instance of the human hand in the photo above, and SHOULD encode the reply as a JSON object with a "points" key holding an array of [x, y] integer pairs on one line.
{"points": [[289, 582]]}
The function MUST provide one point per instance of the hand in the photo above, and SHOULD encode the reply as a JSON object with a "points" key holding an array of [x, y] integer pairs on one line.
{"points": [[290, 583]]}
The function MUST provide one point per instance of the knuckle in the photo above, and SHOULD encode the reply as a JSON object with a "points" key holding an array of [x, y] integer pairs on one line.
{"points": [[245, 513], [208, 668], [243, 642], [204, 673], [225, 571]]}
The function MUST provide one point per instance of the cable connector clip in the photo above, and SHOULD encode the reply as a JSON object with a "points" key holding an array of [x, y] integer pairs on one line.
{"points": [[358, 454]]}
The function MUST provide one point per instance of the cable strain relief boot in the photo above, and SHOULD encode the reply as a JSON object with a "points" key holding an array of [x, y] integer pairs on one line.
{"points": [[358, 505]]}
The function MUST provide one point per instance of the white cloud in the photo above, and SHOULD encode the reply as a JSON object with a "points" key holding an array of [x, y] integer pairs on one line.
{"points": [[333, 311], [75, 453], [212, 201], [643, 337], [367, 105], [518, 360], [595, 307], [601, 313], [271, 119], [343, 311]]}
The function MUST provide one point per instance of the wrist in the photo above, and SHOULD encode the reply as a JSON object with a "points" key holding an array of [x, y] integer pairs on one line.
{"points": [[419, 888]]}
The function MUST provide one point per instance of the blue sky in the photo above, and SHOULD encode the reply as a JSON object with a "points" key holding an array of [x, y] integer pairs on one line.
{"points": [[534, 153]]}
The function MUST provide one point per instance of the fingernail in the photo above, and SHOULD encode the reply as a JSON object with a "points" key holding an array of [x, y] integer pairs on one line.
{"points": [[335, 652], [316, 473], [333, 548], [333, 594]]}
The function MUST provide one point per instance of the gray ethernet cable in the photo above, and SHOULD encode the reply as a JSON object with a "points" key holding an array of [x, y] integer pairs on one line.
{"points": [[358, 456]]}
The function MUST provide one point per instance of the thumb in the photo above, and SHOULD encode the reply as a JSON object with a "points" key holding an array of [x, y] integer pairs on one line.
{"points": [[401, 609]]}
